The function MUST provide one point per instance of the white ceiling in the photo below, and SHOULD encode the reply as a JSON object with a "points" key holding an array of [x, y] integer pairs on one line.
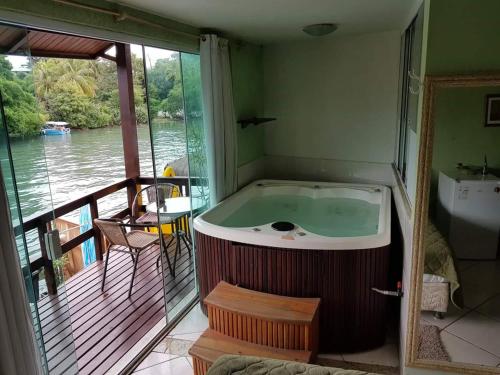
{"points": [[268, 21]]}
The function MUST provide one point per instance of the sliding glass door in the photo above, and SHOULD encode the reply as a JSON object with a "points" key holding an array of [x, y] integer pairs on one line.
{"points": [[195, 132], [164, 87], [23, 165], [31, 280], [195, 136]]}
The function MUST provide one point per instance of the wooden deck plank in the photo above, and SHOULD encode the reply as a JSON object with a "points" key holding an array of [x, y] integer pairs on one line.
{"points": [[50, 307], [103, 326], [116, 284], [145, 289], [130, 342], [182, 285], [54, 326], [92, 270], [94, 282], [122, 322]]}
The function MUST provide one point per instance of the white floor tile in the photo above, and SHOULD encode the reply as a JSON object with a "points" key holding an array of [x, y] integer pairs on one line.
{"points": [[155, 358], [451, 316], [161, 347], [491, 308], [178, 347], [188, 336], [464, 352], [177, 366], [195, 321], [480, 330], [387, 355]]}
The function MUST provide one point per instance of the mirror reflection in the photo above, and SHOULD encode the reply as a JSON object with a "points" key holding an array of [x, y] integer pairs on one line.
{"points": [[460, 301]]}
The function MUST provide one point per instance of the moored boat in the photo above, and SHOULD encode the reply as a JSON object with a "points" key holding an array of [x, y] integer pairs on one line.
{"points": [[56, 128]]}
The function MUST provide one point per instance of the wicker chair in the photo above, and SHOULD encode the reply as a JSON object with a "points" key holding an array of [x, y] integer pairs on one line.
{"points": [[120, 240], [164, 191]]}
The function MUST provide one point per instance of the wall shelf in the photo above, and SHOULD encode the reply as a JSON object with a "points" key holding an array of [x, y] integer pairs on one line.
{"points": [[255, 121]]}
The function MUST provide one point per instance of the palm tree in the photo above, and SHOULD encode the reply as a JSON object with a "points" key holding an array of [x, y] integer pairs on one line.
{"points": [[79, 76], [44, 77]]}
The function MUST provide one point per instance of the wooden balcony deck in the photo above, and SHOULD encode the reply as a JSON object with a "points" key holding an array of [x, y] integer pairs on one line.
{"points": [[103, 326]]}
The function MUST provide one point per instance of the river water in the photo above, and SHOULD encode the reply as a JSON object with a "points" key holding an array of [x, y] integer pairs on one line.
{"points": [[53, 170]]}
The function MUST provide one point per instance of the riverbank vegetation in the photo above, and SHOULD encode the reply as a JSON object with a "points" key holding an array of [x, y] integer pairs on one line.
{"points": [[23, 114], [84, 93]]}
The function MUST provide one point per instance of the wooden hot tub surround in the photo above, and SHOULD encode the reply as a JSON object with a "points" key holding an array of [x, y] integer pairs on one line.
{"points": [[352, 316]]}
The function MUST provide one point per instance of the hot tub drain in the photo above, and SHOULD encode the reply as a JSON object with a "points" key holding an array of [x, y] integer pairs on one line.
{"points": [[283, 226]]}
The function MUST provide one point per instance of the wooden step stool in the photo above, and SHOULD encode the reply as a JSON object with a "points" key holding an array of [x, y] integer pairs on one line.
{"points": [[246, 322], [211, 345], [264, 319]]}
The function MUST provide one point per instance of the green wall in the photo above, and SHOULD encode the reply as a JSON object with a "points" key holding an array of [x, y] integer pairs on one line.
{"points": [[246, 66], [463, 36], [459, 131]]}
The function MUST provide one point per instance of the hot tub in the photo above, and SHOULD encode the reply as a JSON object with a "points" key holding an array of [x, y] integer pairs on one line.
{"points": [[336, 248]]}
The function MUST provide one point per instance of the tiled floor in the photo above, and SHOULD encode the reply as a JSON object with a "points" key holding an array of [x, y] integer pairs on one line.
{"points": [[472, 335], [386, 356], [171, 355]]}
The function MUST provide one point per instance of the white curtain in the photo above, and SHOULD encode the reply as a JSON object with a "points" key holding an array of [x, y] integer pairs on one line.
{"points": [[218, 116], [18, 349]]}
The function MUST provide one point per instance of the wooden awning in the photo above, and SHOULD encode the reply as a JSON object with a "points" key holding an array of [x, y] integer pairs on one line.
{"points": [[15, 41]]}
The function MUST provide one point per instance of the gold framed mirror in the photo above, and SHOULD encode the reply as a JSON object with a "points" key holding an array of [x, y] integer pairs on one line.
{"points": [[434, 87]]}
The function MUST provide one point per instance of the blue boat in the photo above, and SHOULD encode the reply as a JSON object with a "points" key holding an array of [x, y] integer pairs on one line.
{"points": [[56, 128]]}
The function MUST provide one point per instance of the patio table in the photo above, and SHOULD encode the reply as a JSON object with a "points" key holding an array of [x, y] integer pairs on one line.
{"points": [[173, 211]]}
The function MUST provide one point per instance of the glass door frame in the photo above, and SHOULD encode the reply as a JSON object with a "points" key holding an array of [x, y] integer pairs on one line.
{"points": [[20, 241], [45, 262]]}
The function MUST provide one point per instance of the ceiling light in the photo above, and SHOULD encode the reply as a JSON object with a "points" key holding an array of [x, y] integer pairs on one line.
{"points": [[320, 29]]}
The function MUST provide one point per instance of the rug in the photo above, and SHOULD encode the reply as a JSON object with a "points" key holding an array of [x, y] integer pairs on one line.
{"points": [[430, 346]]}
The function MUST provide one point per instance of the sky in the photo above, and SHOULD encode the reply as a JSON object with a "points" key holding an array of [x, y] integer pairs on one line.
{"points": [[152, 55], [18, 62]]}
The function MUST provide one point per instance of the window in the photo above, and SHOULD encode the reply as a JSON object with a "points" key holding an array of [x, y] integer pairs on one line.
{"points": [[409, 92]]}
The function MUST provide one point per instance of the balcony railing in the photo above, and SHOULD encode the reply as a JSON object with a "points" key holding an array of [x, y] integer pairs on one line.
{"points": [[86, 330], [42, 222]]}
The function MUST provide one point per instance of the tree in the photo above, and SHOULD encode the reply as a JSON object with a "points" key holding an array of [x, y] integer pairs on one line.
{"points": [[173, 104], [6, 69], [107, 90], [23, 115], [165, 87], [192, 85], [84, 93], [57, 74], [79, 110]]}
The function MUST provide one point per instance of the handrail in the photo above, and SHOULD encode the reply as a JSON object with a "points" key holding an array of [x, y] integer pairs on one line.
{"points": [[32, 221], [42, 222], [177, 180]]}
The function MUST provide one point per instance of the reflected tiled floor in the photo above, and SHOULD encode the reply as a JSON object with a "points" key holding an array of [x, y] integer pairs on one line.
{"points": [[171, 355], [472, 335]]}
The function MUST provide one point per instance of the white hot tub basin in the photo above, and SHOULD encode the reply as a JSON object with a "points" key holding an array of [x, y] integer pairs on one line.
{"points": [[327, 216]]}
